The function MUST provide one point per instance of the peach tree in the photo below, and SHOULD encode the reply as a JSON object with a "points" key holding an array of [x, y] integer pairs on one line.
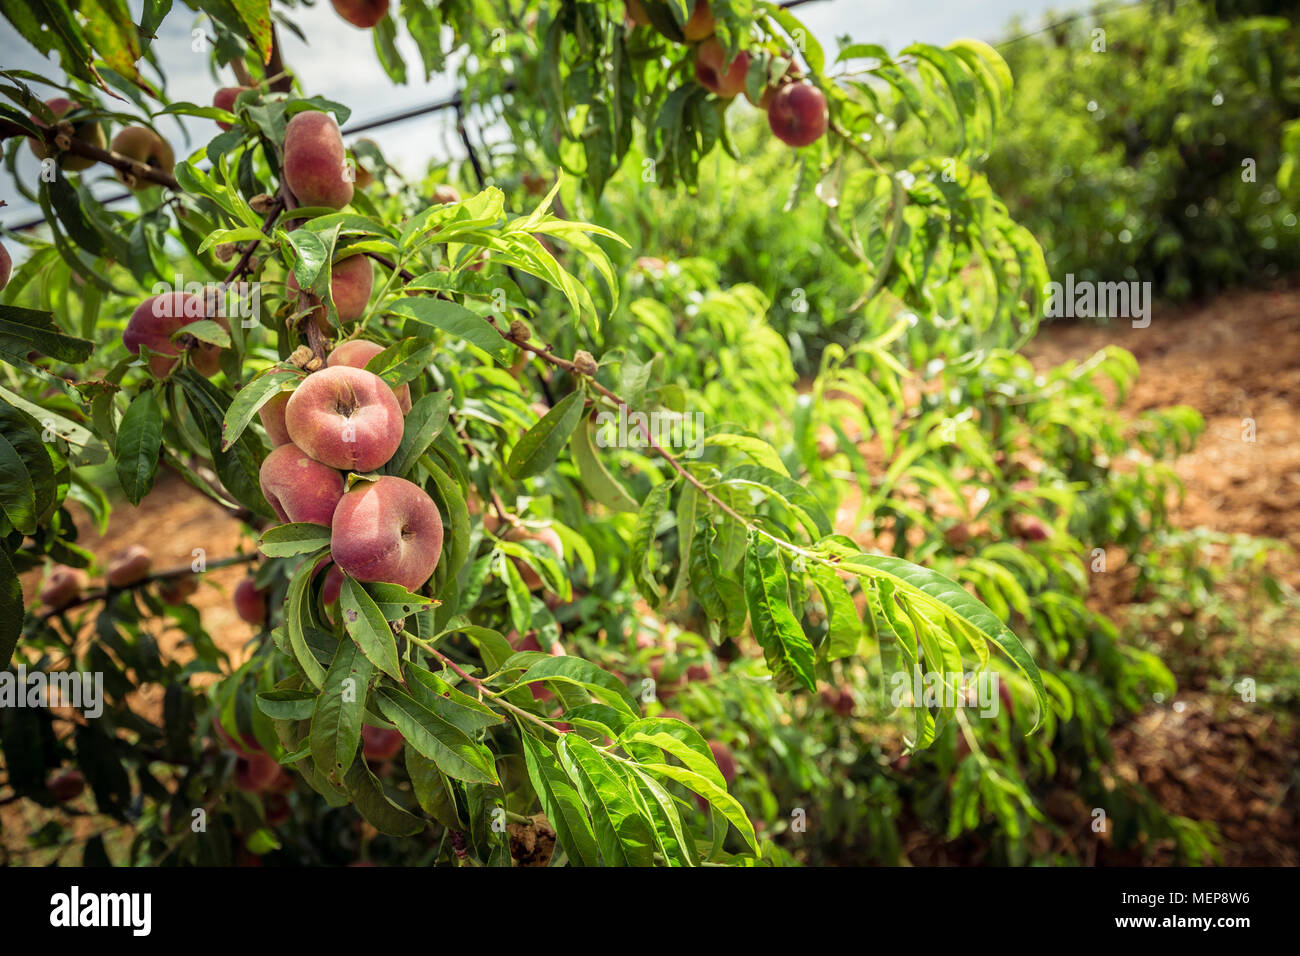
{"points": [[362, 370]]}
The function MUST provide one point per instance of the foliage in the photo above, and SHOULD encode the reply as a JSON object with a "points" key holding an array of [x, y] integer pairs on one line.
{"points": [[1156, 158]]}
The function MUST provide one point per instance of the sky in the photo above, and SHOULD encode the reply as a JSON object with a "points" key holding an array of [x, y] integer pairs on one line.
{"points": [[340, 64]]}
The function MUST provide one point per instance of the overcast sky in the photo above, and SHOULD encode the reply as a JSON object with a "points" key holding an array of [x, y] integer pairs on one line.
{"points": [[340, 64]]}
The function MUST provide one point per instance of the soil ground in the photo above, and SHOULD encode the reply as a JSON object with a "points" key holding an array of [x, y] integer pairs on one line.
{"points": [[1210, 758]]}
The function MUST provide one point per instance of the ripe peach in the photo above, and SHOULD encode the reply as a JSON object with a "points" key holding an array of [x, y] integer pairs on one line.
{"points": [[6, 266], [224, 99], [356, 353], [332, 585], [66, 785], [176, 590], [129, 567], [314, 161], [724, 758], [363, 14], [250, 601], [546, 536], [1029, 528], [798, 114], [351, 282], [276, 806], [380, 743], [387, 530], [443, 194], [701, 23], [346, 418], [88, 132], [298, 487], [156, 319], [716, 74], [272, 416], [254, 772], [636, 13], [62, 587], [145, 146]]}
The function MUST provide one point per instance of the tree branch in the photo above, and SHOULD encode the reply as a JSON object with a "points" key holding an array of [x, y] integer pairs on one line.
{"points": [[169, 574]]}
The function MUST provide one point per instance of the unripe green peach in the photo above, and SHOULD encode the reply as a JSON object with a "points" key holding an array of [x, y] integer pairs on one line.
{"points": [[315, 161]]}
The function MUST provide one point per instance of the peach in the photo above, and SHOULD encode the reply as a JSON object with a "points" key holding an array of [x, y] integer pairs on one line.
{"points": [[224, 99], [363, 14], [144, 146], [272, 416], [346, 418], [177, 590], [250, 601], [298, 487], [380, 743], [546, 536], [700, 24], [798, 114], [315, 162], [332, 585], [276, 806], [88, 132], [724, 758], [351, 282], [6, 266], [443, 194], [356, 353], [66, 785], [255, 772], [636, 13], [156, 319], [129, 567], [62, 587], [387, 530], [716, 74]]}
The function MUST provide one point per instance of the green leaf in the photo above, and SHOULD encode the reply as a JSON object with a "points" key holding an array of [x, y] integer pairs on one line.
{"points": [[643, 537], [396, 603], [427, 417], [722, 598], [400, 363], [575, 670], [366, 625], [249, 399], [457, 754], [340, 707], [561, 803], [455, 320], [540, 446], [286, 540], [27, 330], [294, 611], [26, 472], [624, 836], [757, 449], [948, 599], [596, 478], [287, 704], [786, 648], [139, 440], [717, 797], [843, 626], [11, 608], [802, 502], [373, 804]]}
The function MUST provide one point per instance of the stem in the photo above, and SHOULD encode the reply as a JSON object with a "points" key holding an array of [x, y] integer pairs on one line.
{"points": [[123, 164]]}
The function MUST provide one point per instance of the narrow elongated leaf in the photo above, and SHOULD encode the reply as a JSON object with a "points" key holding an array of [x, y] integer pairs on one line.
{"points": [[624, 836], [561, 803], [596, 478], [372, 803], [260, 390], [300, 537], [366, 625], [455, 752], [843, 627], [424, 421], [139, 441], [643, 553], [540, 446], [786, 648], [575, 670], [336, 721], [455, 320]]}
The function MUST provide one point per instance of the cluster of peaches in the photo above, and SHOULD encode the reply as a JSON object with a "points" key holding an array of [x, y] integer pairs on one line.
{"points": [[796, 109]]}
